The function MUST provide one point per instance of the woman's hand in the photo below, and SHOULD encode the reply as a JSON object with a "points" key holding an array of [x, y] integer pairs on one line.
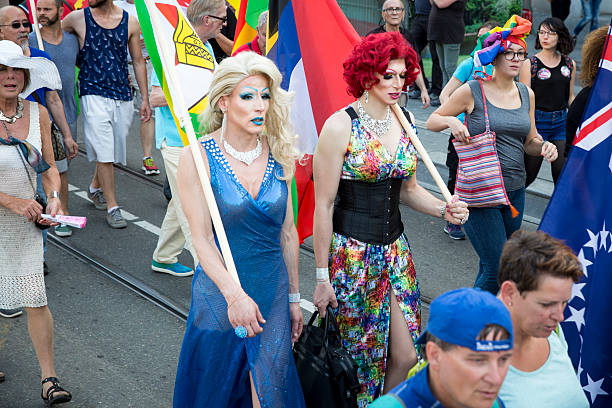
{"points": [[458, 130], [457, 212], [243, 311], [54, 207], [324, 295], [297, 321], [549, 152], [425, 100], [28, 208]]}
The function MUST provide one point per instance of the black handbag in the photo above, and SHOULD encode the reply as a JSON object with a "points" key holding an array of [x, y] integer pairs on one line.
{"points": [[327, 372]]}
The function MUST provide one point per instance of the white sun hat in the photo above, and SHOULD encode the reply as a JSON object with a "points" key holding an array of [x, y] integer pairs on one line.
{"points": [[43, 72]]}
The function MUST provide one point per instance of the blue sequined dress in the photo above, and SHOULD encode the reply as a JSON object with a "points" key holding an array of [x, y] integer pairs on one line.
{"points": [[214, 364]]}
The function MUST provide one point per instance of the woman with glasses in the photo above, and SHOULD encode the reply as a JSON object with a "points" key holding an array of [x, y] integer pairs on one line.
{"points": [[550, 73], [510, 110]]}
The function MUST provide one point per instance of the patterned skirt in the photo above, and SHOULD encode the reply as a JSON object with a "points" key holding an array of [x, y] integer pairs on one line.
{"points": [[362, 275]]}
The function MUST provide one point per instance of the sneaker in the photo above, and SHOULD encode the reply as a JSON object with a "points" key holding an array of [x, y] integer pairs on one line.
{"points": [[63, 231], [97, 199], [454, 231], [434, 100], [115, 219], [414, 94], [175, 269], [149, 167], [11, 312]]}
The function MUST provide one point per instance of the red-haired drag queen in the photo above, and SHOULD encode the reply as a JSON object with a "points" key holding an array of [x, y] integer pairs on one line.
{"points": [[364, 166]]}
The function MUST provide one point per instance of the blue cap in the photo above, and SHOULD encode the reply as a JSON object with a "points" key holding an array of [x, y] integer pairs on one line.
{"points": [[458, 316]]}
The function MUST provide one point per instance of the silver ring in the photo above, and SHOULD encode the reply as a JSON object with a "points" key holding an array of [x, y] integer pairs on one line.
{"points": [[240, 331]]}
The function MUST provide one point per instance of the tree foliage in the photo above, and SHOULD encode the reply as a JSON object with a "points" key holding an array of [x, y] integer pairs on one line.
{"points": [[479, 11]]}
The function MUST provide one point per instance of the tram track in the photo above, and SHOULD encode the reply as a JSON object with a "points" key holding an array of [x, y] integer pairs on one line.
{"points": [[154, 296]]}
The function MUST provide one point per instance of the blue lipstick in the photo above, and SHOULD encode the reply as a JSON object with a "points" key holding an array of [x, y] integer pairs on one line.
{"points": [[258, 121]]}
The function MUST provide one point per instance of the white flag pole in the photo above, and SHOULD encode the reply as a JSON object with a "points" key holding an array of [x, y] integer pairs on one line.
{"points": [[422, 152], [182, 114], [35, 25]]}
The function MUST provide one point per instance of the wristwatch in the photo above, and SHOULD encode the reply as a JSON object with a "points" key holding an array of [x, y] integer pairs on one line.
{"points": [[54, 194]]}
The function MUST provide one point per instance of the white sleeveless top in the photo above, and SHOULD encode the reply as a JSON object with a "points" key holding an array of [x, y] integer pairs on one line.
{"points": [[21, 255]]}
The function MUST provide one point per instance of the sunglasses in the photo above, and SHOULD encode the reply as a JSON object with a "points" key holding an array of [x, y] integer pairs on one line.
{"points": [[17, 24], [224, 19]]}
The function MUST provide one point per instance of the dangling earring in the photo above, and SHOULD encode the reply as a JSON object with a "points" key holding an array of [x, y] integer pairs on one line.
{"points": [[223, 124], [366, 97]]}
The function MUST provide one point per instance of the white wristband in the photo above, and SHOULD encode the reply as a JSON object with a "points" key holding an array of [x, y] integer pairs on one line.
{"points": [[322, 274], [294, 297]]}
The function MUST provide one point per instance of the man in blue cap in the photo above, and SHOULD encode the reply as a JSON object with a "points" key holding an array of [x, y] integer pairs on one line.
{"points": [[468, 346]]}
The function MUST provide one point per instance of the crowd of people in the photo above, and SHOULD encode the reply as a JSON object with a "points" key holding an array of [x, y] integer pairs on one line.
{"points": [[498, 344]]}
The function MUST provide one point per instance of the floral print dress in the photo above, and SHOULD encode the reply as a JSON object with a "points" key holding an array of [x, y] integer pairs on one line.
{"points": [[363, 274]]}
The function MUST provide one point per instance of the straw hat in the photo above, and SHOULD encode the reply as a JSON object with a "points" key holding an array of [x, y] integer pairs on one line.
{"points": [[43, 72]]}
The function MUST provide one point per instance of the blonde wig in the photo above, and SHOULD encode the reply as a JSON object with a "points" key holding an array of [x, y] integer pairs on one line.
{"points": [[278, 131]]}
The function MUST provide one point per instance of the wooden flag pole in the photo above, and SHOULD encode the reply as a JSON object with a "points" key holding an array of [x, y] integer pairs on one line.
{"points": [[182, 113], [422, 152], [35, 25]]}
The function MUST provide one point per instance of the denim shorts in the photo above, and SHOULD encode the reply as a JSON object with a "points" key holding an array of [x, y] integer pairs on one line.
{"points": [[551, 125]]}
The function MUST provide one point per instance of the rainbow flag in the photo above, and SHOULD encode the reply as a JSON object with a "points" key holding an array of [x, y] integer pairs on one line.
{"points": [[193, 61], [309, 40], [247, 16]]}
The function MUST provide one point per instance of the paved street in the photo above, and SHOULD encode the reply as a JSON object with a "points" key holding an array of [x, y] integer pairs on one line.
{"points": [[116, 348]]}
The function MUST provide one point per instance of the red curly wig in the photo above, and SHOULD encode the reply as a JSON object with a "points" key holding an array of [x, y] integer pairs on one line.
{"points": [[372, 55]]}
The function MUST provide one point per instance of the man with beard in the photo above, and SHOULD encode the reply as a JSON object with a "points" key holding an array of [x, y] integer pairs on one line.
{"points": [[105, 34], [63, 48]]}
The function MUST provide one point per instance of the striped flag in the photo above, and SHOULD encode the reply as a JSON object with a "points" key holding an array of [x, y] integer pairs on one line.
{"points": [[310, 58], [580, 213], [247, 16], [69, 5], [193, 60]]}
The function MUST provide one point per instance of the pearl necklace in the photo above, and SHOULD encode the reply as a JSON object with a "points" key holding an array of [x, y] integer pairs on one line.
{"points": [[247, 157], [17, 115], [378, 127]]}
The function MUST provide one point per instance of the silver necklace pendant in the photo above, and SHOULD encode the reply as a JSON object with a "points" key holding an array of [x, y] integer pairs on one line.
{"points": [[17, 115], [378, 127], [244, 157]]}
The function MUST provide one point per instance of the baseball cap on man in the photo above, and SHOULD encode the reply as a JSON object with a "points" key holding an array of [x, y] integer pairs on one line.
{"points": [[458, 316]]}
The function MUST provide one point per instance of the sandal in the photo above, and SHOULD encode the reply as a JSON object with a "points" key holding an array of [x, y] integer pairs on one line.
{"points": [[51, 398]]}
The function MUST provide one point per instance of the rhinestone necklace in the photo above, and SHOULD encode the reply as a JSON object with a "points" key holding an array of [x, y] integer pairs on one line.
{"points": [[17, 115], [247, 157], [378, 127]]}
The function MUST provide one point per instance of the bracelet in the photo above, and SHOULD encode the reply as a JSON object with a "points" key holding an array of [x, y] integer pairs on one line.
{"points": [[443, 210], [322, 274], [54, 194], [294, 297], [237, 298]]}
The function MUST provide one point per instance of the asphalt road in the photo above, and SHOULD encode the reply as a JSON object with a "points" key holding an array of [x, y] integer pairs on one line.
{"points": [[116, 348]]}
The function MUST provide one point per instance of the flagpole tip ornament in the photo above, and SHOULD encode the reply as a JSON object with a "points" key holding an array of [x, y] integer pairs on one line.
{"points": [[240, 331]]}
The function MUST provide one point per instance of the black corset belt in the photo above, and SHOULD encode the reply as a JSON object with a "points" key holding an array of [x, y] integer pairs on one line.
{"points": [[369, 212]]}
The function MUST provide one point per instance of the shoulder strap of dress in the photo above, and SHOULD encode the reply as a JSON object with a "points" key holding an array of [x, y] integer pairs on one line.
{"points": [[351, 112], [407, 115], [534, 65]]}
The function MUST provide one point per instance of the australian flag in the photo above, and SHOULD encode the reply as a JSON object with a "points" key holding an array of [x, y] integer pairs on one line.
{"points": [[580, 213]]}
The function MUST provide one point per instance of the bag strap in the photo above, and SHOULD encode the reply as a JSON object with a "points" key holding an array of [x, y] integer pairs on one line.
{"points": [[484, 103]]}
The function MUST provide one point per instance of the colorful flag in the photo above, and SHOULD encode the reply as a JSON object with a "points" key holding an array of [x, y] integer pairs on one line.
{"points": [[194, 63], [580, 213], [248, 16], [310, 59], [69, 5]]}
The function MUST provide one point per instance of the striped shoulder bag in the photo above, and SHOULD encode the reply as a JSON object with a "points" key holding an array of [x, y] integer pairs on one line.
{"points": [[479, 177]]}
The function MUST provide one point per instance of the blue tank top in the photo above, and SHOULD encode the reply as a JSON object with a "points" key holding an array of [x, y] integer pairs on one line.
{"points": [[103, 60]]}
